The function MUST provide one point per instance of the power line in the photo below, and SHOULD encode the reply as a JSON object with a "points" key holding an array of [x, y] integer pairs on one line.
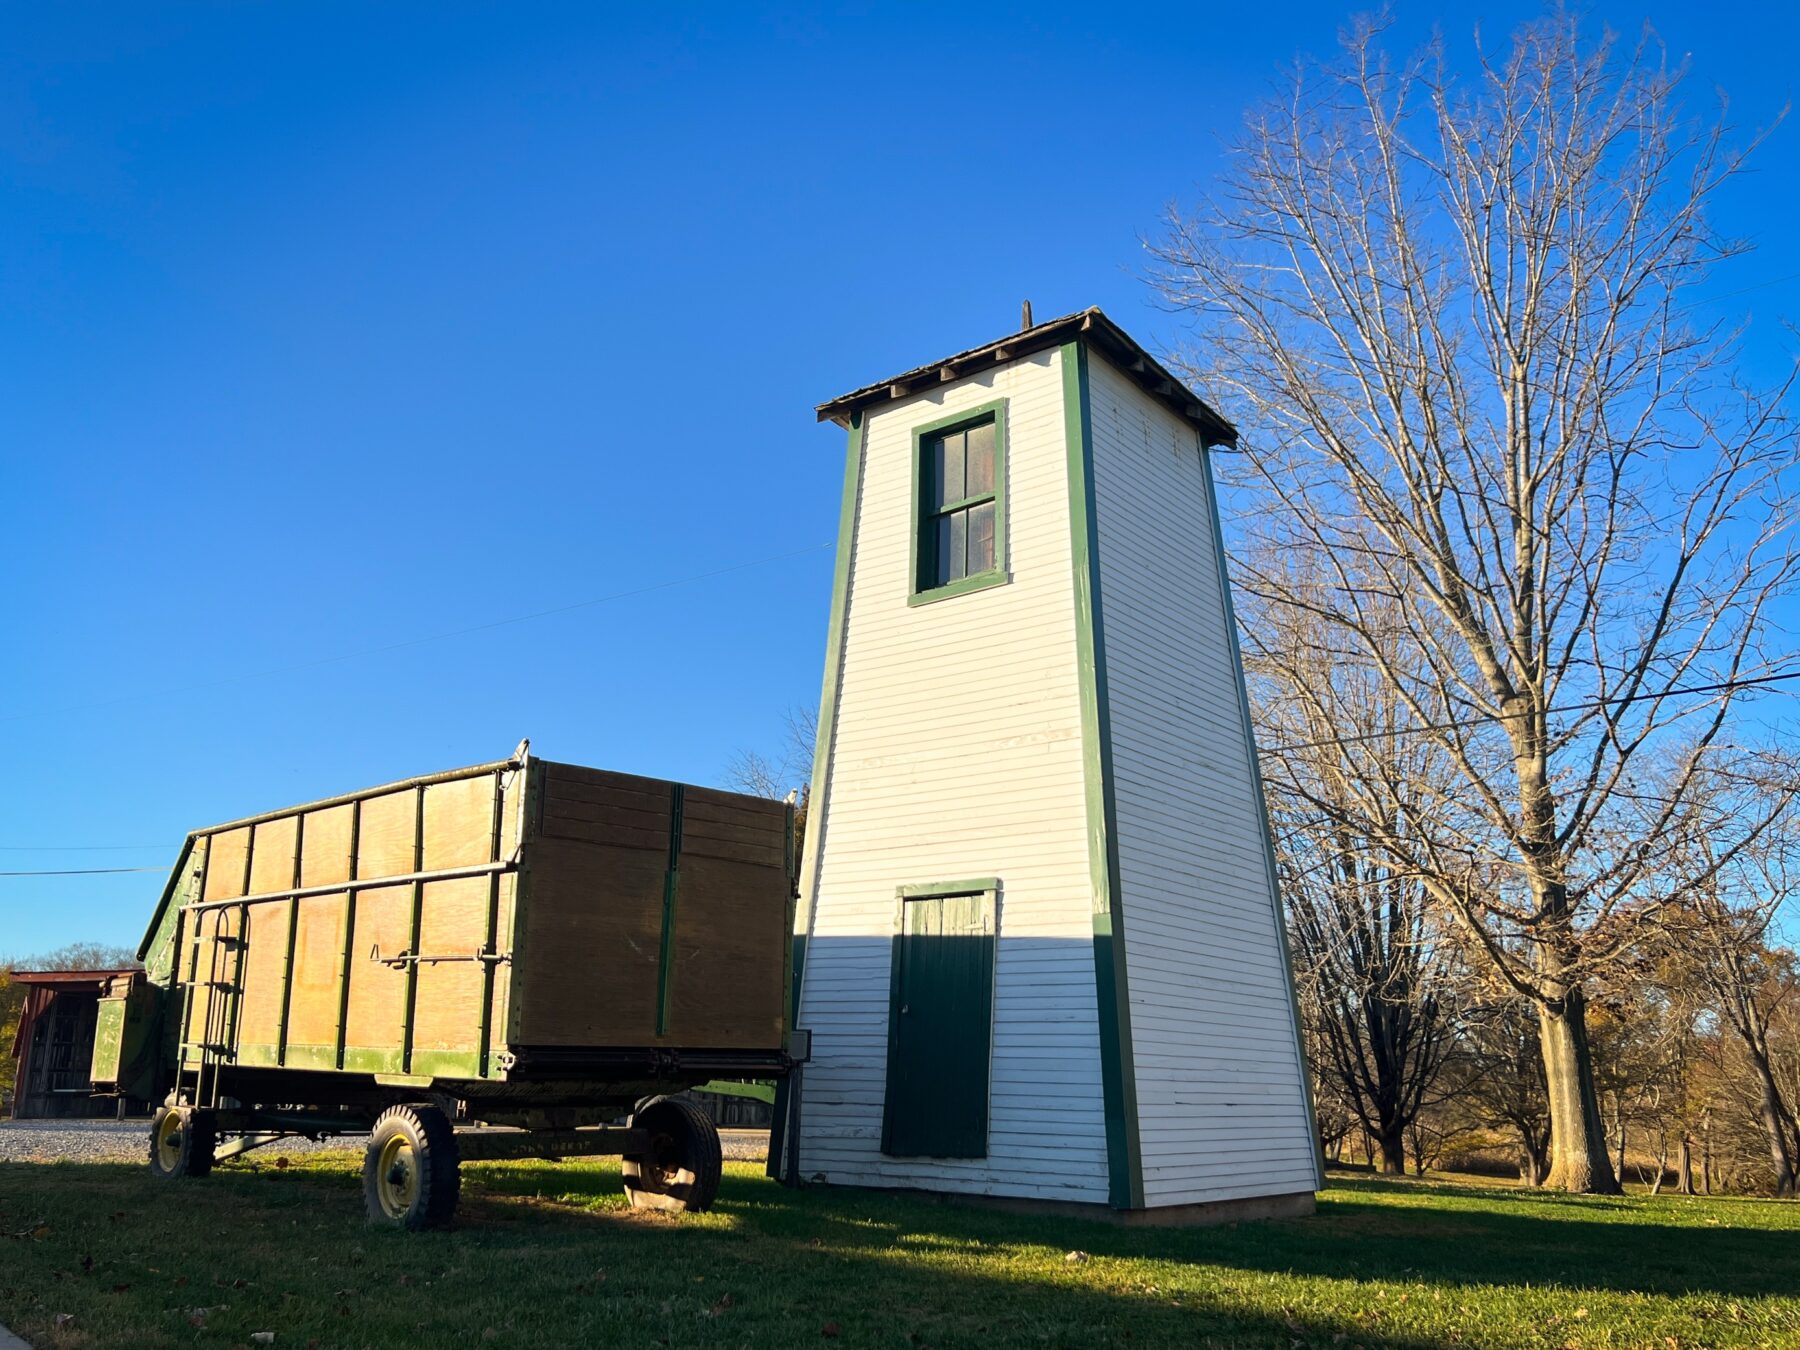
{"points": [[83, 871], [80, 848], [433, 637], [1589, 706]]}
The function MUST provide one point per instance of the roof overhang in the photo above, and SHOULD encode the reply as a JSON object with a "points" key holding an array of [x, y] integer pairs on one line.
{"points": [[72, 979], [1090, 326]]}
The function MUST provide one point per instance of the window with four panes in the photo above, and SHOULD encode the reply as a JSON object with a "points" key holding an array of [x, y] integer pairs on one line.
{"points": [[957, 533]]}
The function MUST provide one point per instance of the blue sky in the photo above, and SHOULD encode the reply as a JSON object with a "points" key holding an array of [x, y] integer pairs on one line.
{"points": [[327, 329]]}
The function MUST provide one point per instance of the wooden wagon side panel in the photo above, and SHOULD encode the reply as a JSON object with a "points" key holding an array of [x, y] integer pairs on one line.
{"points": [[273, 847], [591, 935], [227, 865], [264, 982], [314, 1010], [375, 1004], [590, 929], [453, 917], [726, 978], [386, 836], [325, 850]]}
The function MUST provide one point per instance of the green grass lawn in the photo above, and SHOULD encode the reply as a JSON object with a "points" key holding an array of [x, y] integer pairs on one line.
{"points": [[547, 1254]]}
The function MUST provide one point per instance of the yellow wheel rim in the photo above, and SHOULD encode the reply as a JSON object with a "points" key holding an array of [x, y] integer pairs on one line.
{"points": [[168, 1141], [397, 1177]]}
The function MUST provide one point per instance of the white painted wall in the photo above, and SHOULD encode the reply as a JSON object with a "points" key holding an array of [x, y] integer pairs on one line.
{"points": [[1221, 1106], [958, 754]]}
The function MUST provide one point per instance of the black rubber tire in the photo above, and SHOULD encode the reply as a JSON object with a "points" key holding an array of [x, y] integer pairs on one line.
{"points": [[426, 1131], [680, 1172], [193, 1155]]}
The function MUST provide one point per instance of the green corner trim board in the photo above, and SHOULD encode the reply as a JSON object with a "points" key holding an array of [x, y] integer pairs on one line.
{"points": [[1262, 815], [1125, 1166], [784, 1150]]}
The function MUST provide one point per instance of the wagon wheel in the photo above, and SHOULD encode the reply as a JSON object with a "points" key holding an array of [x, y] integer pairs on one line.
{"points": [[182, 1140], [411, 1177], [680, 1168]]}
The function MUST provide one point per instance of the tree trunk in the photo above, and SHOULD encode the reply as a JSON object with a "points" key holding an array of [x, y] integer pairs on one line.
{"points": [[1662, 1163], [1392, 1143], [1775, 1119], [1684, 1166], [1706, 1167], [1534, 1160], [1578, 1160]]}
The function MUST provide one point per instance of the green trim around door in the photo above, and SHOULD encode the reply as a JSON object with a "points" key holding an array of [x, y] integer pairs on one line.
{"points": [[1118, 1078], [997, 575], [787, 1108], [972, 886], [940, 1022], [1262, 816]]}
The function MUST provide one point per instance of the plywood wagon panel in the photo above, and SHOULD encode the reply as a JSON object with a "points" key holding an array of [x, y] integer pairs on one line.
{"points": [[272, 855], [459, 823], [225, 865], [386, 837], [318, 960], [564, 929], [375, 1017], [726, 981], [265, 978], [325, 848], [586, 969], [453, 920]]}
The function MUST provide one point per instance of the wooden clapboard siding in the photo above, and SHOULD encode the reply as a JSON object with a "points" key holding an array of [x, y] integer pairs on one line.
{"points": [[957, 753], [1221, 1107]]}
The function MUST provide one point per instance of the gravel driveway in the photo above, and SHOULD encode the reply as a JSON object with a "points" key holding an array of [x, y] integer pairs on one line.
{"points": [[128, 1140]]}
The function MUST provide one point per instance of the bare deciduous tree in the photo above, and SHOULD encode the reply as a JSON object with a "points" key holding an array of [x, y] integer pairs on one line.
{"points": [[1455, 321], [1368, 942], [1720, 937]]}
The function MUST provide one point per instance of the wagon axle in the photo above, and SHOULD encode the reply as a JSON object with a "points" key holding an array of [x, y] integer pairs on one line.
{"points": [[412, 1163]]}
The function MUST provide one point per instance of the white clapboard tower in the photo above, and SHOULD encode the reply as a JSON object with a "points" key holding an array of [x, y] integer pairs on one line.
{"points": [[1039, 946]]}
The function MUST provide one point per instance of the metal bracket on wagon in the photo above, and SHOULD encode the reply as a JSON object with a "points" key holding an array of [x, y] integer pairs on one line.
{"points": [[401, 959]]}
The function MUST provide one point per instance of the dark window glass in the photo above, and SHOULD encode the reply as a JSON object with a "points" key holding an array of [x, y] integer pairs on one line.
{"points": [[957, 536]]}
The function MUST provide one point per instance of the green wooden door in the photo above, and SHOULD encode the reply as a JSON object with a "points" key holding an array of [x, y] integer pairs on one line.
{"points": [[939, 1027]]}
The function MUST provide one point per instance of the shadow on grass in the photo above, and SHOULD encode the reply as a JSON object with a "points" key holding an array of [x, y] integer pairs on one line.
{"points": [[290, 1250], [548, 1254], [1537, 1238]]}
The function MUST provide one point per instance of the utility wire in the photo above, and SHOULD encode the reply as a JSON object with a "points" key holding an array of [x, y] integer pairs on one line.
{"points": [[83, 871], [1720, 687], [1589, 706], [79, 848], [433, 637]]}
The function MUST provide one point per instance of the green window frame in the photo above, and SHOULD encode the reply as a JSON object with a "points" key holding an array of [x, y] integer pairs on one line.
{"points": [[938, 516]]}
